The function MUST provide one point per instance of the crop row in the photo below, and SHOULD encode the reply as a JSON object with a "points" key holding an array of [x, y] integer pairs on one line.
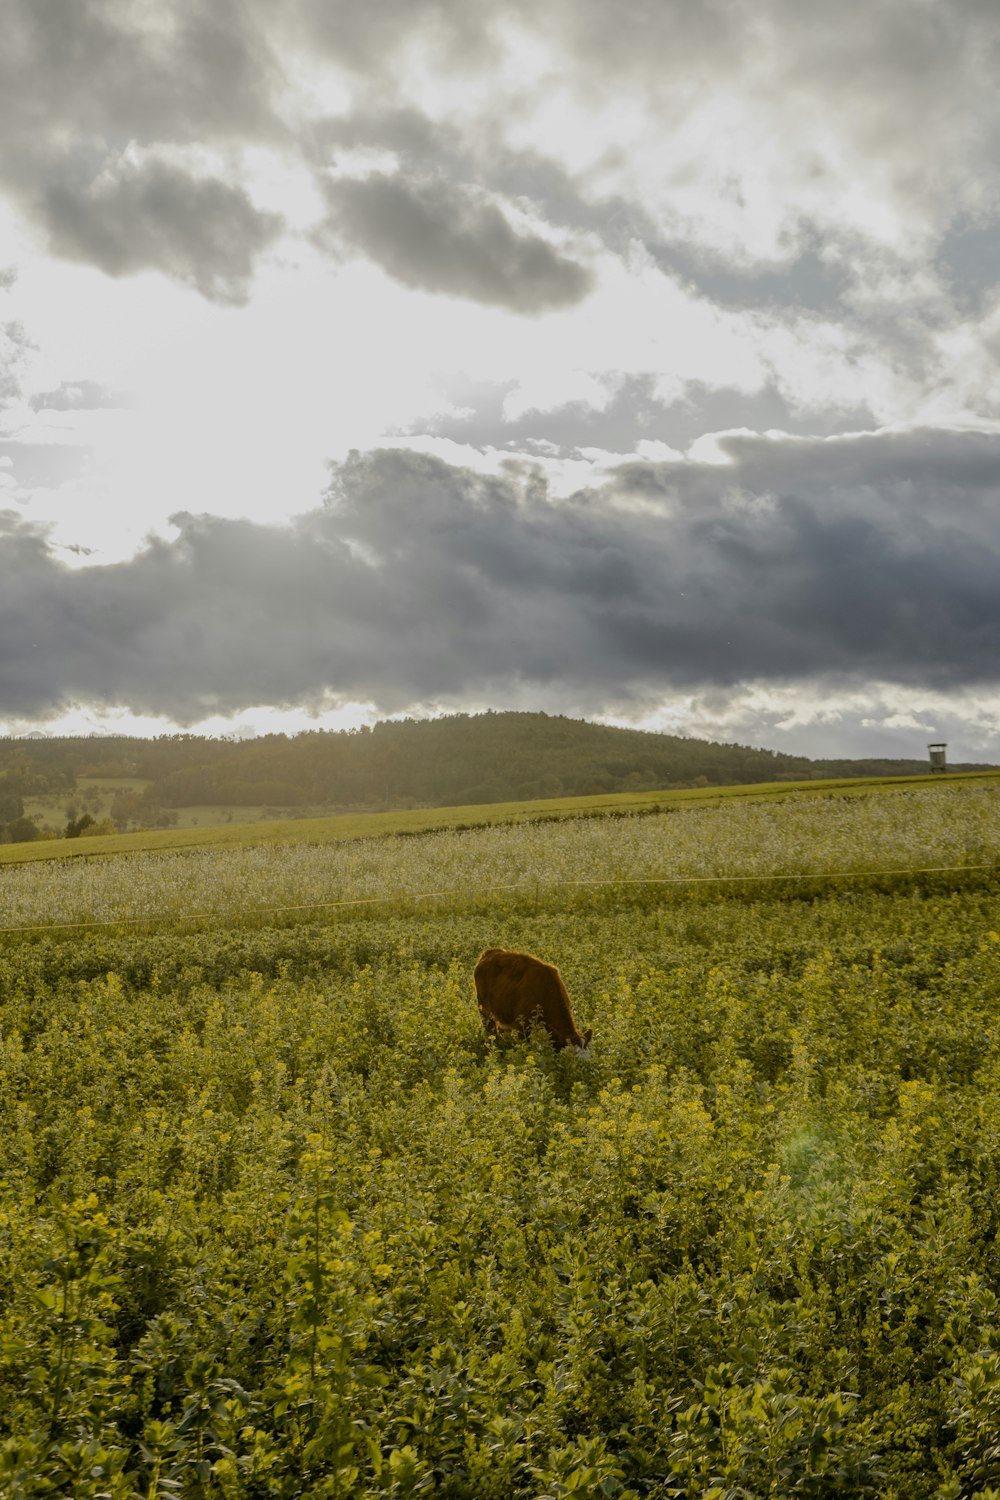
{"points": [[947, 826]]}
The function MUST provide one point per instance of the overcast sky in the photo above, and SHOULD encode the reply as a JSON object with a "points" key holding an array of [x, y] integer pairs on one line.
{"points": [[632, 361]]}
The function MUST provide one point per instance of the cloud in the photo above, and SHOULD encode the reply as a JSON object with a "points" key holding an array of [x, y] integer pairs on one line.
{"points": [[969, 255], [844, 327], [90, 89], [446, 238], [769, 155], [117, 69], [478, 413], [805, 281], [76, 395], [372, 38], [739, 127], [838, 719], [199, 230], [859, 559], [13, 349], [40, 464]]}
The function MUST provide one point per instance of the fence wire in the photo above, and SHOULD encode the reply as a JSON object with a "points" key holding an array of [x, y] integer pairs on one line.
{"points": [[526, 888]]}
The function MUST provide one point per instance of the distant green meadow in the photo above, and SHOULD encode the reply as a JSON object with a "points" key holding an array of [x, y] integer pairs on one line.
{"points": [[277, 1219]]}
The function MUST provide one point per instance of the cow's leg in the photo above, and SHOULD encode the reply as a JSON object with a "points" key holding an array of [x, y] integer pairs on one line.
{"points": [[485, 1008]]}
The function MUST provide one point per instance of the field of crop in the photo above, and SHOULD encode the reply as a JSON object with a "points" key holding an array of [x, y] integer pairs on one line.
{"points": [[276, 1219], [227, 827]]}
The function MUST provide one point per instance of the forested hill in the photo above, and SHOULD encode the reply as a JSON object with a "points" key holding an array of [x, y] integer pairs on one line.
{"points": [[461, 759]]}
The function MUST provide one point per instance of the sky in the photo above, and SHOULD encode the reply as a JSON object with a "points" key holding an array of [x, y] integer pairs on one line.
{"points": [[637, 362]]}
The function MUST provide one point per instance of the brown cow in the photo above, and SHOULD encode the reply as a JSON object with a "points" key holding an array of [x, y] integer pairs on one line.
{"points": [[515, 989]]}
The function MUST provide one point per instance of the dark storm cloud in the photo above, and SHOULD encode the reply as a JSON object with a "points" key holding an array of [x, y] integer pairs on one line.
{"points": [[865, 558], [462, 34], [426, 147], [444, 238], [114, 71], [370, 38], [82, 80], [198, 230]]}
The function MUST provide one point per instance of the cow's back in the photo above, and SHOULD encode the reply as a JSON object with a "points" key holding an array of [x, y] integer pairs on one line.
{"points": [[516, 988]]}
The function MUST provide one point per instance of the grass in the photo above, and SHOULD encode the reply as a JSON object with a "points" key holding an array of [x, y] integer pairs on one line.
{"points": [[110, 784], [216, 814], [93, 794], [351, 826]]}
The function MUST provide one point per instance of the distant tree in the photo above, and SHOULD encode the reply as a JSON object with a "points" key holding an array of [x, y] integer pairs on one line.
{"points": [[129, 808], [76, 826], [11, 805], [22, 831]]}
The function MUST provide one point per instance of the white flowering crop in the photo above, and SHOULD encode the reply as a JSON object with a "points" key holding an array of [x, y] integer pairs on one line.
{"points": [[901, 830]]}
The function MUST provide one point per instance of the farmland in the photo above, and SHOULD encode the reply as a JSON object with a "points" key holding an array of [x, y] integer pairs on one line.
{"points": [[217, 826], [276, 1219]]}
